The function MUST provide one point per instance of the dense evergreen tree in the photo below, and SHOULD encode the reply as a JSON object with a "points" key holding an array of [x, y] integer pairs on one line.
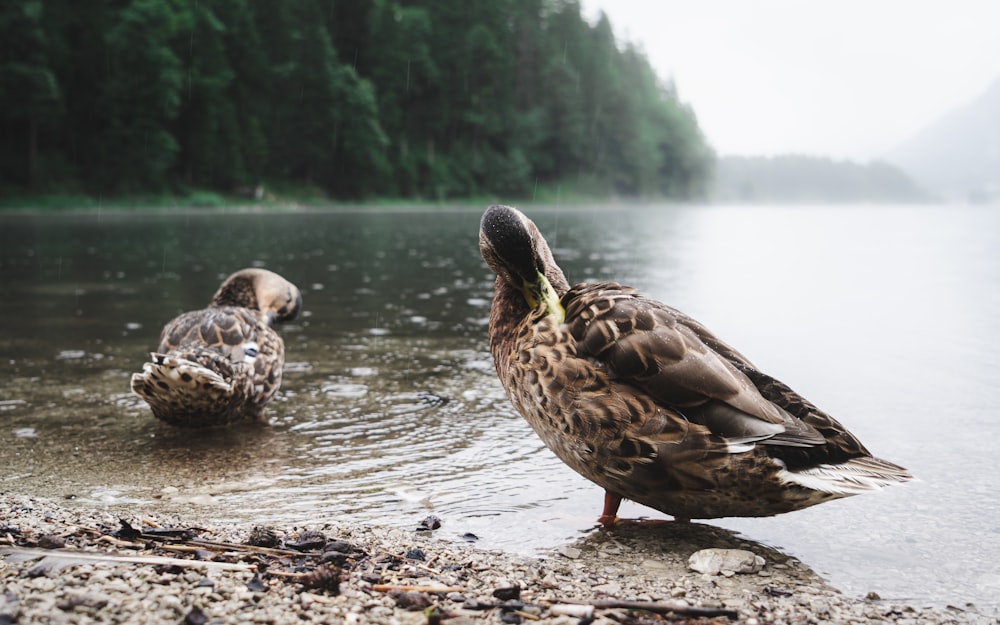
{"points": [[407, 98], [141, 96], [29, 90]]}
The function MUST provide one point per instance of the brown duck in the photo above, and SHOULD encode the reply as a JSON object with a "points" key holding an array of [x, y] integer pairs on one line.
{"points": [[645, 402], [222, 364]]}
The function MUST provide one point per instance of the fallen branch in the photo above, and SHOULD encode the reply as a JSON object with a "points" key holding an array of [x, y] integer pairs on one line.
{"points": [[404, 588], [215, 544], [27, 553], [651, 606]]}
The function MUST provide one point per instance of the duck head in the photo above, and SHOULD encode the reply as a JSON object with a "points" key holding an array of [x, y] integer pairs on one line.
{"points": [[259, 289], [512, 246]]}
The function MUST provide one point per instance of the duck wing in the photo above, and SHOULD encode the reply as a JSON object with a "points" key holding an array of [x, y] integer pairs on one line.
{"points": [[682, 366], [212, 367]]}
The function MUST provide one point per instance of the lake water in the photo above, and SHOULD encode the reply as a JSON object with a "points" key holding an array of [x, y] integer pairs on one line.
{"points": [[887, 317]]}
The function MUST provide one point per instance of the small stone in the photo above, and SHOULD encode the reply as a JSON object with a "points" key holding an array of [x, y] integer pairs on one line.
{"points": [[341, 546], [569, 552], [256, 584], [51, 541], [264, 537], [416, 554], [430, 522], [308, 540], [654, 565], [411, 600], [873, 596], [609, 588], [715, 561], [195, 617], [508, 593]]}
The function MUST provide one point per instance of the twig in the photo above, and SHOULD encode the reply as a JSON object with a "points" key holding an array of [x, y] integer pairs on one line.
{"points": [[117, 542], [651, 606], [215, 544], [527, 615], [115, 558], [388, 587]]}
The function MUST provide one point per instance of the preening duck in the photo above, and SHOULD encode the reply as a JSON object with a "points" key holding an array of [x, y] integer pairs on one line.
{"points": [[222, 364], [647, 403]]}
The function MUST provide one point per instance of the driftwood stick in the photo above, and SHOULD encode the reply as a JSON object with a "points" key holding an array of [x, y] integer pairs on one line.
{"points": [[651, 606], [216, 544], [404, 588], [115, 558]]}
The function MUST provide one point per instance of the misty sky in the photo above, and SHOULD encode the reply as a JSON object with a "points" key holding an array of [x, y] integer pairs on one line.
{"points": [[840, 78]]}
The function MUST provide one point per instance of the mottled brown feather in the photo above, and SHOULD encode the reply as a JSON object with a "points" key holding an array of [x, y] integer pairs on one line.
{"points": [[647, 403], [221, 364]]}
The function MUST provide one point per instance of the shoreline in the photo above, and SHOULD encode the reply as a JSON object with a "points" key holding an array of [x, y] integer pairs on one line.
{"points": [[358, 573]]}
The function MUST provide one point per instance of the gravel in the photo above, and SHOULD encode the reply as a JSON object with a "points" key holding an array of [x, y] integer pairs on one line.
{"points": [[66, 566]]}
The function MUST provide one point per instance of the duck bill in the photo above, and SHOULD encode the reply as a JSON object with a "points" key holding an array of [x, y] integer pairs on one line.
{"points": [[540, 294]]}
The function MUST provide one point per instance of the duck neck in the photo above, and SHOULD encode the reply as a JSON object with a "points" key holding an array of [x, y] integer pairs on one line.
{"points": [[506, 314]]}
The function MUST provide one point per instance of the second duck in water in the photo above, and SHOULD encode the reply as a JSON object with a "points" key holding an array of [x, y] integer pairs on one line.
{"points": [[221, 364], [644, 401]]}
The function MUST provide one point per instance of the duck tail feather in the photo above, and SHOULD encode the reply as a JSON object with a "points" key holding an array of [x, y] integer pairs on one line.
{"points": [[856, 476], [171, 381]]}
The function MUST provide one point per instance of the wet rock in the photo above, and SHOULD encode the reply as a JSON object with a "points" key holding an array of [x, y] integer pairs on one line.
{"points": [[325, 578], [716, 561], [508, 594], [256, 584], [430, 522], [511, 617], [264, 537], [416, 554], [84, 601], [51, 541], [341, 546], [569, 552], [335, 558], [411, 599], [654, 565], [469, 537], [308, 541], [195, 617]]}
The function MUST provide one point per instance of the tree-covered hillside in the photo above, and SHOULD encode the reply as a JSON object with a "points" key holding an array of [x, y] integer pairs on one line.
{"points": [[413, 99]]}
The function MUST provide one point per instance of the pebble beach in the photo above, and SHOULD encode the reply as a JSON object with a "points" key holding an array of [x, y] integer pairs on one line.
{"points": [[59, 564]]}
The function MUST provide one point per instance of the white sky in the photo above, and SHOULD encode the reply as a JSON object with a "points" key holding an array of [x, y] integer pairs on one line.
{"points": [[839, 78]]}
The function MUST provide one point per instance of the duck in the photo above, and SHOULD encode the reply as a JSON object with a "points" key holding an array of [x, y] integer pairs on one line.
{"points": [[647, 403], [222, 364]]}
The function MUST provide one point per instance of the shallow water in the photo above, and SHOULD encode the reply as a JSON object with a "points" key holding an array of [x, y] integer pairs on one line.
{"points": [[887, 317]]}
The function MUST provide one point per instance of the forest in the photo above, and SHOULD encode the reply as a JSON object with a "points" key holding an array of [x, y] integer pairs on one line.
{"points": [[357, 99]]}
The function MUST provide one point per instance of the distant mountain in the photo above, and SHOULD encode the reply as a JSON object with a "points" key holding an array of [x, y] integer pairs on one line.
{"points": [[797, 178], [958, 156]]}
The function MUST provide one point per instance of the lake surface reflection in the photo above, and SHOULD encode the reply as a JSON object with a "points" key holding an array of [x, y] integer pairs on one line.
{"points": [[887, 317]]}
